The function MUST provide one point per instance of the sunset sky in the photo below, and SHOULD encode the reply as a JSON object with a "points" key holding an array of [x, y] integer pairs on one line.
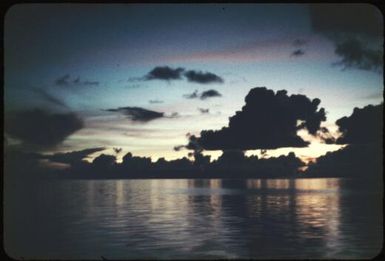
{"points": [[95, 60]]}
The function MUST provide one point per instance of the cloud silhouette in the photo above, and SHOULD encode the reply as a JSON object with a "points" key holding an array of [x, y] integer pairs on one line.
{"points": [[209, 94], [202, 77], [117, 150], [164, 73], [41, 128], [167, 73], [364, 126], [351, 27], [203, 96], [268, 120], [355, 55], [138, 114], [333, 20], [72, 157], [298, 53]]}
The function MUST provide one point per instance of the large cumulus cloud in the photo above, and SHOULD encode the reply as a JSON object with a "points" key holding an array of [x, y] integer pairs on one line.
{"points": [[268, 120], [363, 157], [41, 128], [364, 126]]}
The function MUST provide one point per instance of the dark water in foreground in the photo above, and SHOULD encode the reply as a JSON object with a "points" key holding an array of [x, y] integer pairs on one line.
{"points": [[167, 219]]}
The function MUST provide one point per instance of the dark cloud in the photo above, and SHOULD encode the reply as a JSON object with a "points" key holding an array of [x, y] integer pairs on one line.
{"points": [[204, 95], [41, 128], [138, 114], [298, 53], [333, 20], [204, 111], [167, 73], [67, 81], [48, 97], [164, 73], [155, 101], [117, 150], [326, 136], [209, 94], [268, 120], [355, 55], [202, 77], [352, 28], [72, 157], [363, 126]]}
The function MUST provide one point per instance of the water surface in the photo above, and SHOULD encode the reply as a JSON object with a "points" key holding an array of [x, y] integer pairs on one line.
{"points": [[210, 219]]}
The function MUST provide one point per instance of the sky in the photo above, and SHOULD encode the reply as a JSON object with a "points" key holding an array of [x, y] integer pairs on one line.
{"points": [[142, 76]]}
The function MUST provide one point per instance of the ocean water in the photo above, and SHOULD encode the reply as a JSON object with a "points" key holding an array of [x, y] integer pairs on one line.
{"points": [[195, 218]]}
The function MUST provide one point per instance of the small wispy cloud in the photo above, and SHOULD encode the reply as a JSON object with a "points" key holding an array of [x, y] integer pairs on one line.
{"points": [[204, 95], [66, 81], [204, 111], [202, 77], [209, 94], [298, 53], [165, 73], [138, 114]]}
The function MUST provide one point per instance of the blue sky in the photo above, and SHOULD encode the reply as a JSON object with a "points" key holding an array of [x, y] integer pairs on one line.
{"points": [[247, 45]]}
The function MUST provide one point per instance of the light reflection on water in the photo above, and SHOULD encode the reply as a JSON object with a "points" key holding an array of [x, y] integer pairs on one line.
{"points": [[282, 218]]}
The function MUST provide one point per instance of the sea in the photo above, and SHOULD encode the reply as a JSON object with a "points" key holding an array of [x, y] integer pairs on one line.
{"points": [[325, 218]]}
